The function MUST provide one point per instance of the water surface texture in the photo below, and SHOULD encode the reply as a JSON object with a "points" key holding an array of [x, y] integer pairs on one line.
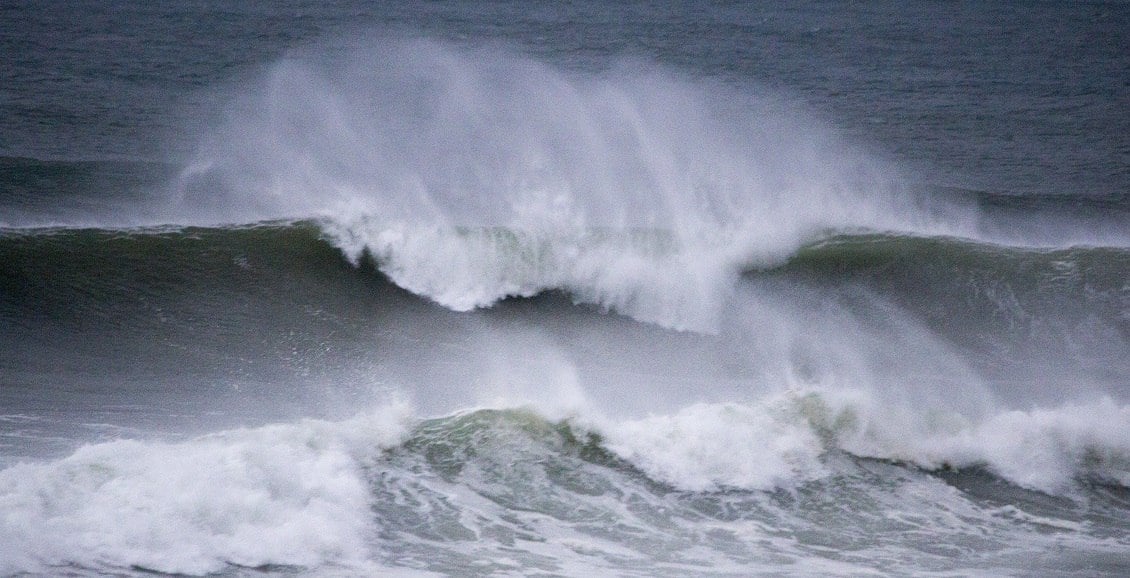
{"points": [[564, 289]]}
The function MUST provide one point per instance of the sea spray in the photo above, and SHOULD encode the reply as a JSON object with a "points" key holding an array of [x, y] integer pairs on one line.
{"points": [[476, 174], [783, 441]]}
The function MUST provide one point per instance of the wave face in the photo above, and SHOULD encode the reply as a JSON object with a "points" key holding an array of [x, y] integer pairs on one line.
{"points": [[415, 306]]}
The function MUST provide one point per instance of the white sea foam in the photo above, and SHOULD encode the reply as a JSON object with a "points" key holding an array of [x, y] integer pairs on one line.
{"points": [[1045, 449], [780, 441], [643, 274], [712, 446], [284, 494]]}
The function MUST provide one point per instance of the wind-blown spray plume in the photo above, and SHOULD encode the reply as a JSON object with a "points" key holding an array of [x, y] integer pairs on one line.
{"points": [[472, 175]]}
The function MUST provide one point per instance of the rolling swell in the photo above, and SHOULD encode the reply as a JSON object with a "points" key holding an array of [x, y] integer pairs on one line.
{"points": [[960, 274], [1027, 315], [173, 275], [99, 273], [215, 327], [69, 273]]}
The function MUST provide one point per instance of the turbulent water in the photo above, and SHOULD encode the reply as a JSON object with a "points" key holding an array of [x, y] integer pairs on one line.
{"points": [[536, 289]]}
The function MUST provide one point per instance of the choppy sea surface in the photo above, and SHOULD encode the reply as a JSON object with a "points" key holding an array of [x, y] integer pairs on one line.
{"points": [[564, 289]]}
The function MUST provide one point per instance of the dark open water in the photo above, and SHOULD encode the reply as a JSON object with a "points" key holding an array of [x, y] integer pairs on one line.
{"points": [[490, 288]]}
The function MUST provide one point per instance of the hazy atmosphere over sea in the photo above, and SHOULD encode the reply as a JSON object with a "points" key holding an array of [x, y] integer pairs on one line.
{"points": [[564, 288]]}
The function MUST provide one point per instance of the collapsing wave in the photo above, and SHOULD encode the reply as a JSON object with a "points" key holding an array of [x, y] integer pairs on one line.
{"points": [[319, 493], [275, 495], [399, 147]]}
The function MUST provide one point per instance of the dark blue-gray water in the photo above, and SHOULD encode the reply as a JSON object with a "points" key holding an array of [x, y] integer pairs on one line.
{"points": [[494, 288]]}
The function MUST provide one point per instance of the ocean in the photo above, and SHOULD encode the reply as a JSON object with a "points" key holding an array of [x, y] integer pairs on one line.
{"points": [[482, 288]]}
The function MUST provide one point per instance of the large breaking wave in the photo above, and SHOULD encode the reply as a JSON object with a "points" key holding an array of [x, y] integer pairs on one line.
{"points": [[402, 146]]}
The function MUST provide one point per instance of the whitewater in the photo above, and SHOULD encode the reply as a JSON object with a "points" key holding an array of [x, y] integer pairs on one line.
{"points": [[414, 305]]}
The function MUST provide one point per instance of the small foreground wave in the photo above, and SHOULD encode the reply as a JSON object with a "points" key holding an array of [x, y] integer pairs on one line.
{"points": [[712, 488]]}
